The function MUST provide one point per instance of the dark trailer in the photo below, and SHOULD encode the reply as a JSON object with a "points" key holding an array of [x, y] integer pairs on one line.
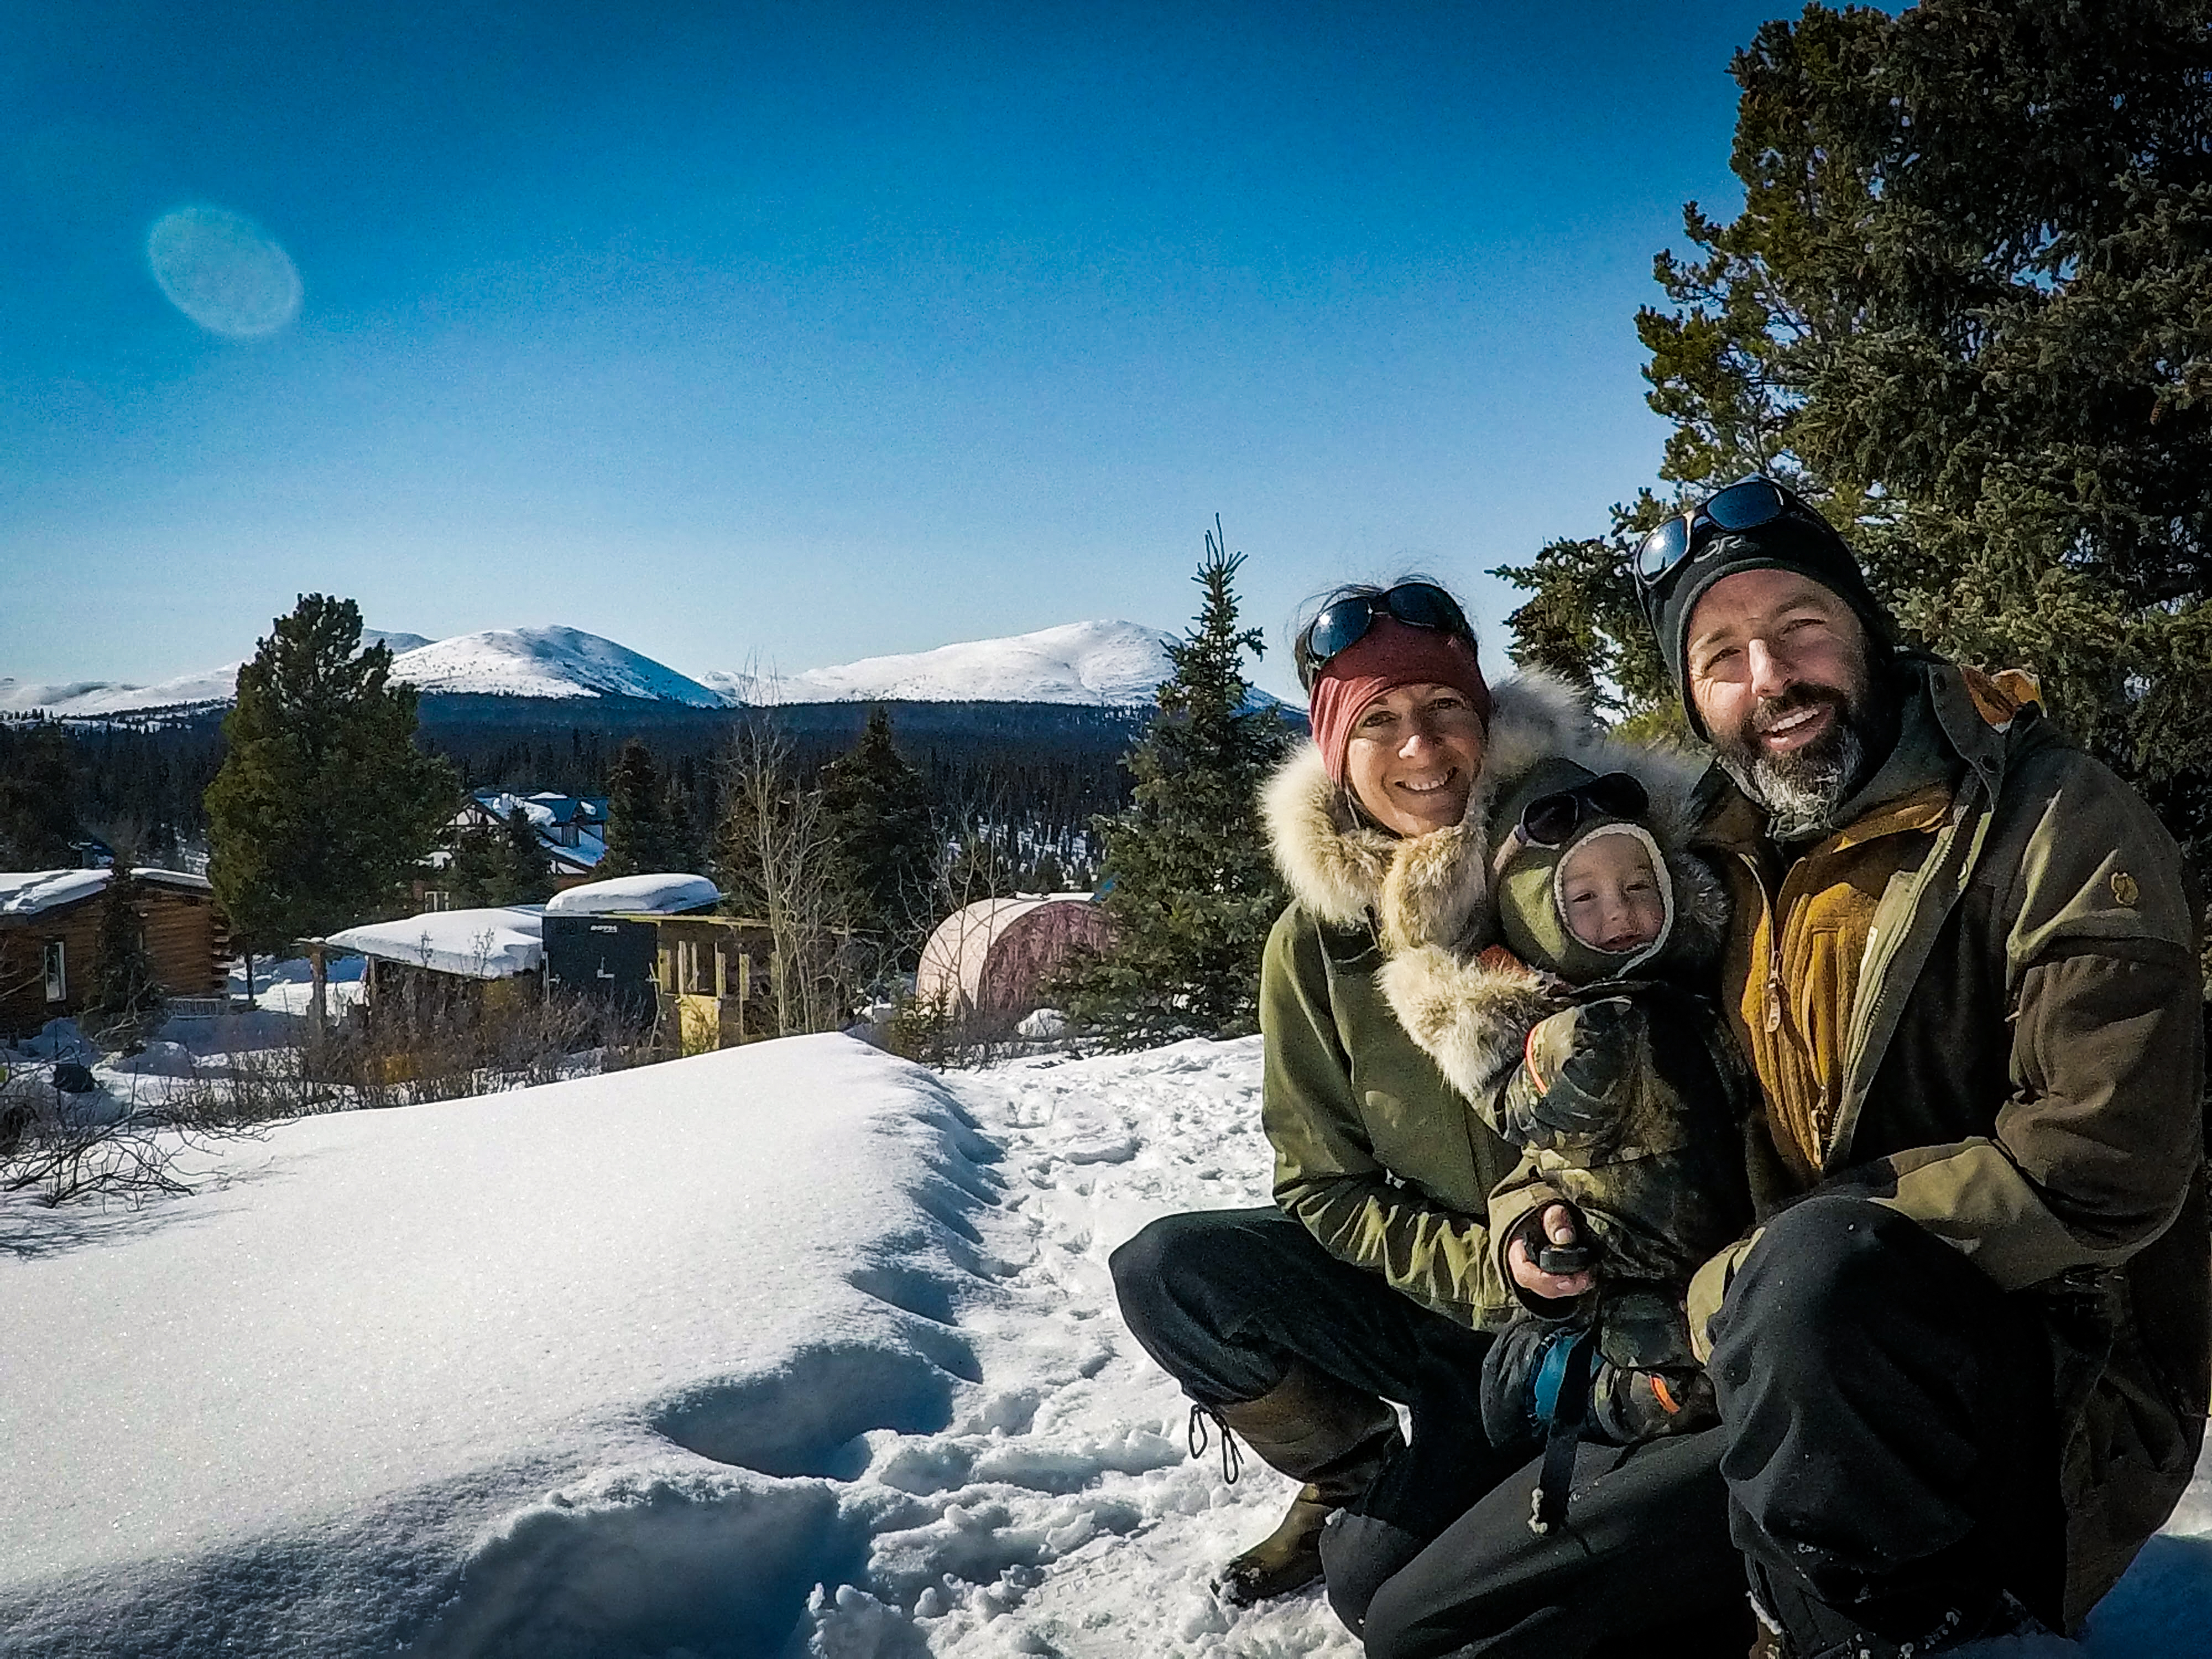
{"points": [[610, 956]]}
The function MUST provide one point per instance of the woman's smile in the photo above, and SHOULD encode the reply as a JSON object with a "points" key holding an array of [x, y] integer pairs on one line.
{"points": [[1415, 754]]}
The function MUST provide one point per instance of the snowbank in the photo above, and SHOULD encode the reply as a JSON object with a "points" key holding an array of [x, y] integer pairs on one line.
{"points": [[444, 1376], [792, 1351], [662, 895], [492, 943]]}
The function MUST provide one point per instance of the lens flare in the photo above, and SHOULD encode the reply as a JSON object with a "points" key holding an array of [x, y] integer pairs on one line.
{"points": [[223, 271]]}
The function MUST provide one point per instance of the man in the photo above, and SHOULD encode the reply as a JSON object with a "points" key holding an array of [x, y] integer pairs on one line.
{"points": [[1962, 1370]]}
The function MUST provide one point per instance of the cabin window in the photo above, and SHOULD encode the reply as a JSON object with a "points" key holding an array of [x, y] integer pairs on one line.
{"points": [[57, 971], [436, 898]]}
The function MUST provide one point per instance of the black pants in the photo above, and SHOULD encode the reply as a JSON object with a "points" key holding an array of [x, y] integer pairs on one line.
{"points": [[1892, 1444], [1886, 1448], [1226, 1301]]}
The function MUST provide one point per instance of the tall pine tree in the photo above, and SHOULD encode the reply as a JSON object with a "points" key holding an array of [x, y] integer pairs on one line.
{"points": [[125, 998], [1192, 889], [38, 794], [1964, 308], [877, 808], [525, 864], [324, 807], [643, 835]]}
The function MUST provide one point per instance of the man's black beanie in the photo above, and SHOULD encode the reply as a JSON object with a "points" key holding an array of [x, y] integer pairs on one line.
{"points": [[1800, 541]]}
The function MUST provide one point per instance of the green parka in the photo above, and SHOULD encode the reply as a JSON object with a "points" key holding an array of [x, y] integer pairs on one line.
{"points": [[1382, 1017], [1979, 1002]]}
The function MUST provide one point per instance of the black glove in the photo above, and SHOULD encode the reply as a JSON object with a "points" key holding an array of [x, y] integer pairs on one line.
{"points": [[1605, 1042], [1512, 1415]]}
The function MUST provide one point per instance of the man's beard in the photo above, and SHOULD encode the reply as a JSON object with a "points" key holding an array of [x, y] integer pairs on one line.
{"points": [[1801, 789]]}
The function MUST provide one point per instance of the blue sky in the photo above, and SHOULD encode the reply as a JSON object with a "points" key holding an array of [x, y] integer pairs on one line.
{"points": [[790, 334]]}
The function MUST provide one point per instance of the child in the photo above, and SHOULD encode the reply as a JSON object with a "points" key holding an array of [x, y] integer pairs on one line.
{"points": [[1630, 1104]]}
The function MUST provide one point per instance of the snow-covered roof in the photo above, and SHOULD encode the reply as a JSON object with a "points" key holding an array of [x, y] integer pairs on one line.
{"points": [[495, 942], [27, 892], [661, 895]]}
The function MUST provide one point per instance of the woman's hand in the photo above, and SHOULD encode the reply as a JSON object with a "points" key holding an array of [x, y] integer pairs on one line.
{"points": [[1557, 1222]]}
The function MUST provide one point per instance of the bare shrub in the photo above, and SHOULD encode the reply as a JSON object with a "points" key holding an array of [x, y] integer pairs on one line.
{"points": [[780, 861], [62, 1146]]}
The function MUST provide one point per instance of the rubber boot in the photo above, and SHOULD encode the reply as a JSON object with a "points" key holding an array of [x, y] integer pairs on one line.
{"points": [[1333, 1438]]}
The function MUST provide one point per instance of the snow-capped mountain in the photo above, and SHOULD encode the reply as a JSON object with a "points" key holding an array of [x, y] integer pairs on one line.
{"points": [[89, 699], [1094, 663], [1112, 663], [546, 662]]}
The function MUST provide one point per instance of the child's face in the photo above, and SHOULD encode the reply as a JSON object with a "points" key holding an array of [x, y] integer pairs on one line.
{"points": [[1612, 895]]}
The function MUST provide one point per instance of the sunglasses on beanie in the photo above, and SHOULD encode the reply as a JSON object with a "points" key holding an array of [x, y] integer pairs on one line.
{"points": [[1745, 505], [1343, 624]]}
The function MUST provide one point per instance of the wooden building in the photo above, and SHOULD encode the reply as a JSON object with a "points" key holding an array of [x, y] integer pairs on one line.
{"points": [[50, 934], [651, 943]]}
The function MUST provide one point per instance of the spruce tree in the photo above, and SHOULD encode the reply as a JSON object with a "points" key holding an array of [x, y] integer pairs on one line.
{"points": [[1192, 891], [324, 807], [1963, 309], [877, 808], [125, 997], [526, 866], [642, 835], [38, 791], [474, 874]]}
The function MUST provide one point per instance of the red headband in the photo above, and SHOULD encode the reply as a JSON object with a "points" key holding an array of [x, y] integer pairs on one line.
{"points": [[1390, 654]]}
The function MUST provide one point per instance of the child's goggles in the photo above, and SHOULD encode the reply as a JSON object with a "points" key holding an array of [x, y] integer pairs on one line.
{"points": [[1342, 625], [1551, 820]]}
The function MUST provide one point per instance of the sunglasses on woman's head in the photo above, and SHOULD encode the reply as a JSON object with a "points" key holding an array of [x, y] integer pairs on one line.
{"points": [[1745, 505], [1551, 820], [1343, 624]]}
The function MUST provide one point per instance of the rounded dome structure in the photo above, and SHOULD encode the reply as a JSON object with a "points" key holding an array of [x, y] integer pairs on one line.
{"points": [[988, 961]]}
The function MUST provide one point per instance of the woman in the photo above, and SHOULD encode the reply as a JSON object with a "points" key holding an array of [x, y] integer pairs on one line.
{"points": [[1373, 1276]]}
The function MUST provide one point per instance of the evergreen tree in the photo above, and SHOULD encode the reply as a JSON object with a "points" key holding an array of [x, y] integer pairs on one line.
{"points": [[877, 809], [526, 867], [1963, 307], [1192, 890], [324, 807], [476, 874], [507, 865], [642, 835], [38, 789], [125, 997]]}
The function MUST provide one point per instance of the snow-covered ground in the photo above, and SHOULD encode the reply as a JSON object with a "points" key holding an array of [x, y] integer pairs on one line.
{"points": [[792, 1350], [288, 987]]}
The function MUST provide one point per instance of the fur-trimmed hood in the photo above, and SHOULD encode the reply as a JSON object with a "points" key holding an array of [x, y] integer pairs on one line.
{"points": [[1430, 897]]}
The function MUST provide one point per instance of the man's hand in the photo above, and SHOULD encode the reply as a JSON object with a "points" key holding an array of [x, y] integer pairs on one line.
{"points": [[1559, 1227]]}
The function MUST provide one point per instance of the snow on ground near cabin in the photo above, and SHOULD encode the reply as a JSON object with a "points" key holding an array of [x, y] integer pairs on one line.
{"points": [[288, 987], [792, 1350]]}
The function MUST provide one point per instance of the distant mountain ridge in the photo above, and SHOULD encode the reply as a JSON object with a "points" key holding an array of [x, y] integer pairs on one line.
{"points": [[1114, 665], [1109, 664]]}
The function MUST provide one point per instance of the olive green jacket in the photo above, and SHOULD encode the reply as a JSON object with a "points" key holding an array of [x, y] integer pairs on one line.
{"points": [[2021, 1070], [1383, 1019]]}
